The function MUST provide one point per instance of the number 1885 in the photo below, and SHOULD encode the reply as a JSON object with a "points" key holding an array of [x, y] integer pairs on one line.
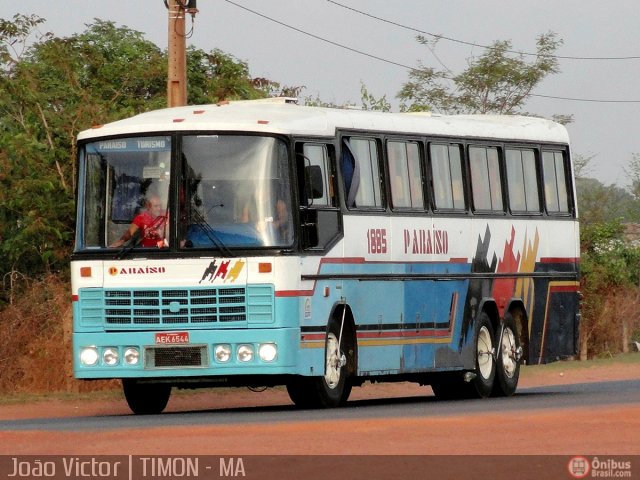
{"points": [[377, 240]]}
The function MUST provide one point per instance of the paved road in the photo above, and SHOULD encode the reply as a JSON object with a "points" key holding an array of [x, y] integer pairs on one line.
{"points": [[526, 401]]}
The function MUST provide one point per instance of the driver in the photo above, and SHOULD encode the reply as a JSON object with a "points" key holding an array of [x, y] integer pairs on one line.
{"points": [[151, 222]]}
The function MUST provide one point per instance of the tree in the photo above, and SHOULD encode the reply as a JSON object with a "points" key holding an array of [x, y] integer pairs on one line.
{"points": [[495, 82], [581, 168], [57, 87], [610, 271], [598, 203], [369, 102], [632, 170], [610, 264]]}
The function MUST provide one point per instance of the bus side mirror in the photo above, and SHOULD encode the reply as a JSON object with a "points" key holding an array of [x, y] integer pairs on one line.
{"points": [[314, 181], [309, 226]]}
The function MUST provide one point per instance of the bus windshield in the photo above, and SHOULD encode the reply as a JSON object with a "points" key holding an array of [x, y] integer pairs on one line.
{"points": [[233, 192]]}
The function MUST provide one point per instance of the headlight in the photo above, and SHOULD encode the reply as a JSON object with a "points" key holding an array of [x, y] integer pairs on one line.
{"points": [[131, 356], [89, 356], [110, 356], [245, 353], [268, 352], [223, 353]]}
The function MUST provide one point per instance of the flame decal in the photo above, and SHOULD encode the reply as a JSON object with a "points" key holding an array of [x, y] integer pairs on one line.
{"points": [[506, 288], [525, 286], [503, 288]]}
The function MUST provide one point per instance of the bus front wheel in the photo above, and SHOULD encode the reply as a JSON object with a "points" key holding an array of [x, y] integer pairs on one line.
{"points": [[146, 398], [334, 387]]}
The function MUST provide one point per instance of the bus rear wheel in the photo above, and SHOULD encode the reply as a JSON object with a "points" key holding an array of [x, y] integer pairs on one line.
{"points": [[477, 383], [481, 385], [507, 359], [334, 387], [146, 398]]}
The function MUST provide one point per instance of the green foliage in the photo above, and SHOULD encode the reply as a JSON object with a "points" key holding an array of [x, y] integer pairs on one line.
{"points": [[318, 102], [48, 94], [610, 268], [215, 76], [495, 82], [599, 203], [632, 171], [608, 261], [369, 102]]}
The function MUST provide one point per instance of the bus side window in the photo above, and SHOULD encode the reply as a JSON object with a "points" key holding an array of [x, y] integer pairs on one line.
{"points": [[446, 171], [522, 180], [555, 183], [405, 175], [486, 184], [361, 172], [318, 190]]}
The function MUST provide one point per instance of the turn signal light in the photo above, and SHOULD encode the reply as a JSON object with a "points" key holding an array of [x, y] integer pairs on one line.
{"points": [[265, 267]]}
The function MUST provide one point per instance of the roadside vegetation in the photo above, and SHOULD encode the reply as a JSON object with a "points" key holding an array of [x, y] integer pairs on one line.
{"points": [[51, 88]]}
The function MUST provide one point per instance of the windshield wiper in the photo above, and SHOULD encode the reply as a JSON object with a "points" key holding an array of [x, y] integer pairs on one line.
{"points": [[210, 233], [129, 245]]}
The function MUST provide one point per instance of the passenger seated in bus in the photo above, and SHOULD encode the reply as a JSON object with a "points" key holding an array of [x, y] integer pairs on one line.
{"points": [[267, 216], [151, 224], [351, 173]]}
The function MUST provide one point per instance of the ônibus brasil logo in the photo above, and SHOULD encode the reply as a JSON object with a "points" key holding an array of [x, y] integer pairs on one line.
{"points": [[579, 467]]}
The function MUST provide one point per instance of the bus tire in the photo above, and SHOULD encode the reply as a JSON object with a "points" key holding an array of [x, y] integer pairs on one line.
{"points": [[507, 358], [452, 386], [146, 398], [334, 387], [481, 385]]}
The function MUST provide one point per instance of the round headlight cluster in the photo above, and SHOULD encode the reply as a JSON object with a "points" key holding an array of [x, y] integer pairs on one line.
{"points": [[110, 356], [131, 356], [90, 356], [245, 353], [223, 353], [268, 352]]}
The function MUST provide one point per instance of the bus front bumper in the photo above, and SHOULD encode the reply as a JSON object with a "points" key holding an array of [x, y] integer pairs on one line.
{"points": [[194, 353]]}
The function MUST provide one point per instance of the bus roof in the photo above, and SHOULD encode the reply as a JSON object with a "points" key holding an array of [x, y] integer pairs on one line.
{"points": [[285, 118]]}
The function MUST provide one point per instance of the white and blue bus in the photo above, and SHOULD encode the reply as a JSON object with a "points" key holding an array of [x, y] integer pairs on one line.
{"points": [[263, 243]]}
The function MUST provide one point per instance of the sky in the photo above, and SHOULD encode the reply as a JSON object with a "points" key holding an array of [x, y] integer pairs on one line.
{"points": [[332, 50]]}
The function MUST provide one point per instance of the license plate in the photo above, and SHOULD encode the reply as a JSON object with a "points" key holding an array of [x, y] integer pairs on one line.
{"points": [[172, 338]]}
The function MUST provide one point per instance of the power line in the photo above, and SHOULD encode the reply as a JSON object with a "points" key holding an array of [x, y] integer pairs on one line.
{"points": [[473, 44], [331, 42], [398, 64], [592, 100]]}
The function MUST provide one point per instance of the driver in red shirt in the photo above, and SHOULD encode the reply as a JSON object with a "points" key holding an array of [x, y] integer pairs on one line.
{"points": [[151, 222]]}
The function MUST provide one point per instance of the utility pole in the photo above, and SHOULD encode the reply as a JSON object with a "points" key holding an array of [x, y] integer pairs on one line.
{"points": [[177, 49]]}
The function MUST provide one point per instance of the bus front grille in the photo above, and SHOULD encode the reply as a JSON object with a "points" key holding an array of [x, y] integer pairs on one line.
{"points": [[173, 307], [176, 356]]}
